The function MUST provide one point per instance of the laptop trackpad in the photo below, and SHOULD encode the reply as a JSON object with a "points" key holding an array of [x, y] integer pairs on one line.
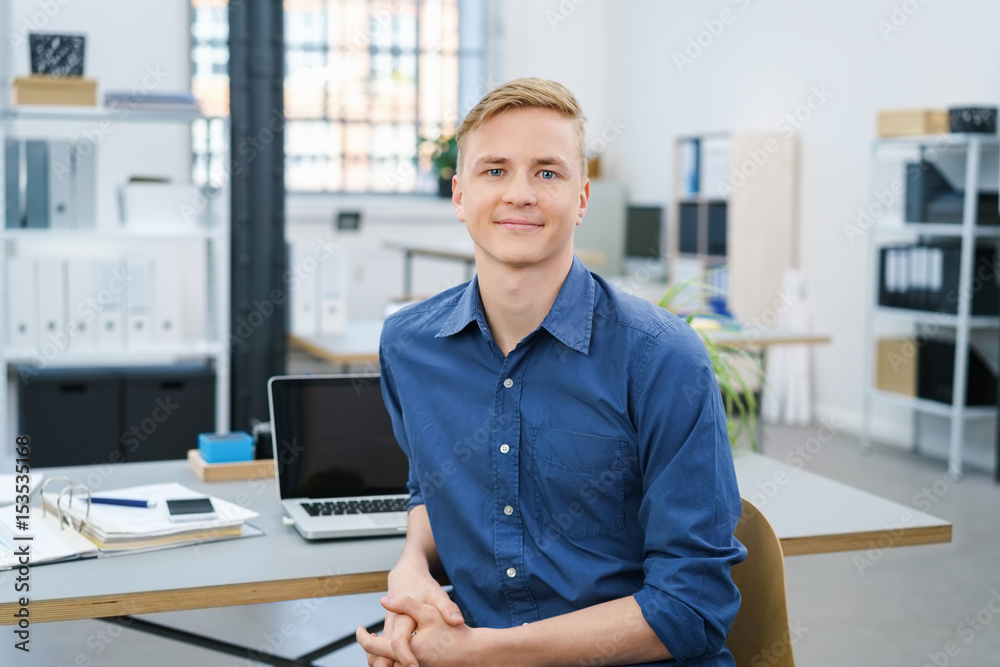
{"points": [[387, 519]]}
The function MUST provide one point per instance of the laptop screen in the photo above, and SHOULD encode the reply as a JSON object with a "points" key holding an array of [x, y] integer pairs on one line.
{"points": [[333, 438]]}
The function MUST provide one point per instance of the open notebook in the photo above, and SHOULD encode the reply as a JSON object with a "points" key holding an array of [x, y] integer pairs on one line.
{"points": [[112, 530]]}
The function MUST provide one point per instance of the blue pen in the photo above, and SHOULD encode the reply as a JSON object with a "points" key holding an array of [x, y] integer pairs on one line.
{"points": [[124, 502]]}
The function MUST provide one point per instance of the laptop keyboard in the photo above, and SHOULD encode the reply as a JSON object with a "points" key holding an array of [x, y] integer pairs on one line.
{"points": [[355, 506]]}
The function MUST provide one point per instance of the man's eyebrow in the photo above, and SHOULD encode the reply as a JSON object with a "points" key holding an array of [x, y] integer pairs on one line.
{"points": [[491, 159], [546, 160], [552, 160]]}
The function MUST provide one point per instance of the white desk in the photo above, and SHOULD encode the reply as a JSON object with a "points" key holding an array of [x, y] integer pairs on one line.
{"points": [[810, 514]]}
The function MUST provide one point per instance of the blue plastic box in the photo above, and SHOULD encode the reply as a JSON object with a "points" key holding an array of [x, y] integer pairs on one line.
{"points": [[225, 447]]}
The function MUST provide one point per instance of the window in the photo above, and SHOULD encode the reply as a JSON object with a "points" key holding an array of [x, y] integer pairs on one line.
{"points": [[365, 82]]}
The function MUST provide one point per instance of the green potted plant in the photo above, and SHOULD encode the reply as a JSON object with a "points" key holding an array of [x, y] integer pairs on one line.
{"points": [[443, 153], [736, 368]]}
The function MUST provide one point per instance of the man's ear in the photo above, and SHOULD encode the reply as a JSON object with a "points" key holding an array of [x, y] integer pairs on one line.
{"points": [[584, 201], [456, 198]]}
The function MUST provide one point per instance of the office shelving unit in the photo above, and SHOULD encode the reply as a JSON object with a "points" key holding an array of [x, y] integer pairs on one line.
{"points": [[203, 245], [968, 156]]}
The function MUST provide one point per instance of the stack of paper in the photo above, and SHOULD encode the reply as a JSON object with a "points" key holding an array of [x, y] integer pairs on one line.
{"points": [[114, 530], [113, 527]]}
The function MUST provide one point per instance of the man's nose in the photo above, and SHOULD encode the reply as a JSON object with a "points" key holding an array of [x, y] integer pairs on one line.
{"points": [[520, 191]]}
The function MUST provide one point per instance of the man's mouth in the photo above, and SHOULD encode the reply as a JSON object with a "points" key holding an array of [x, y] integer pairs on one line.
{"points": [[518, 223]]}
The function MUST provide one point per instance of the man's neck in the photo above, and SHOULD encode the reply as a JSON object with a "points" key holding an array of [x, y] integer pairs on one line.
{"points": [[516, 300]]}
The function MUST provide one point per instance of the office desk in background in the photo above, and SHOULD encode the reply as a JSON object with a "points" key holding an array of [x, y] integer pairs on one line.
{"points": [[359, 341]]}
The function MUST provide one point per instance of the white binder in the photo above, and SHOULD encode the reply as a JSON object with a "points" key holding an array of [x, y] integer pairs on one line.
{"points": [[111, 286], [139, 302], [22, 294], [168, 310], [62, 173], [52, 302], [82, 304]]}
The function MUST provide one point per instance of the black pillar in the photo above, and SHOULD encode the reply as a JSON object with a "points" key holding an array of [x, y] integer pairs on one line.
{"points": [[258, 260]]}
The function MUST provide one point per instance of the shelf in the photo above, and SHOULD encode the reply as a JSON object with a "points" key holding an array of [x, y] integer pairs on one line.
{"points": [[937, 229], [119, 357], [91, 114], [932, 407], [939, 141], [939, 318], [113, 234]]}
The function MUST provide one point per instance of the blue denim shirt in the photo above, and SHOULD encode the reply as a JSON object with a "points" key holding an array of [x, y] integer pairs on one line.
{"points": [[589, 464]]}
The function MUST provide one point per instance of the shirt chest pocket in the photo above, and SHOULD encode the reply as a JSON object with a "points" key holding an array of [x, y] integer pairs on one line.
{"points": [[578, 482]]}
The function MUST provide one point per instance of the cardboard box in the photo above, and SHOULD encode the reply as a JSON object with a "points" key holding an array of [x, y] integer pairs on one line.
{"points": [[896, 366], [911, 122], [41, 89]]}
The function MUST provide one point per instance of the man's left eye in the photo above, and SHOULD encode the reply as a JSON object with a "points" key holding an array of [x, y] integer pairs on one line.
{"points": [[548, 175]]}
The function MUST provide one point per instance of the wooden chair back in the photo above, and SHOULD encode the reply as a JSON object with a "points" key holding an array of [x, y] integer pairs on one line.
{"points": [[760, 634]]}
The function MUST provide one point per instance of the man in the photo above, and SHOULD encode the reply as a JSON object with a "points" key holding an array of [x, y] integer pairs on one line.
{"points": [[570, 469]]}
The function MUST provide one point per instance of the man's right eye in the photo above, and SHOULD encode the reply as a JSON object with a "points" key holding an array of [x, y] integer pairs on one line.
{"points": [[495, 172]]}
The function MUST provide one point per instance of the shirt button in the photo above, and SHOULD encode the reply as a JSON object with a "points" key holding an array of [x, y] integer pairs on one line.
{"points": [[508, 383], [508, 510], [504, 448], [511, 572]]}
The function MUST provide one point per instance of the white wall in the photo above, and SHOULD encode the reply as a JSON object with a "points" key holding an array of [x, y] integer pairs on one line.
{"points": [[766, 62]]}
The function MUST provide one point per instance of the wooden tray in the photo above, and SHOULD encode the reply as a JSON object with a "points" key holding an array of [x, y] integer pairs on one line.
{"points": [[225, 472]]}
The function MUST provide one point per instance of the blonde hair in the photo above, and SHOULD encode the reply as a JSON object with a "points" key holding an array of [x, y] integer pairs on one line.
{"points": [[526, 93]]}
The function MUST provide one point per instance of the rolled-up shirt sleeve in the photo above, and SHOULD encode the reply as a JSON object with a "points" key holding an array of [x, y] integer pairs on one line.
{"points": [[391, 400], [691, 500]]}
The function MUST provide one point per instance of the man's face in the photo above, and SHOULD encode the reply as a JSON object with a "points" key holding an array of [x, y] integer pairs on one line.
{"points": [[521, 192]]}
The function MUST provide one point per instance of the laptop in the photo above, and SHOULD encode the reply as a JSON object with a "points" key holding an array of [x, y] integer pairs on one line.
{"points": [[340, 471]]}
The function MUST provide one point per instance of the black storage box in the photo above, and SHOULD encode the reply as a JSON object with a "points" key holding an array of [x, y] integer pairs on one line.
{"points": [[980, 120], [73, 416], [110, 415], [936, 372], [165, 408]]}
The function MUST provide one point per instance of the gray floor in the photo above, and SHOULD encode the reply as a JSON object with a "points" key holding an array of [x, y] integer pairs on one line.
{"points": [[915, 606]]}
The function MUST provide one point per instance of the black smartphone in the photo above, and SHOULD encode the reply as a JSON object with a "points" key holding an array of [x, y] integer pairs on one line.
{"points": [[191, 509]]}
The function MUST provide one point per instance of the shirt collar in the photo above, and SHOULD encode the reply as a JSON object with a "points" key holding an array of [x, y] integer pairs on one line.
{"points": [[569, 320]]}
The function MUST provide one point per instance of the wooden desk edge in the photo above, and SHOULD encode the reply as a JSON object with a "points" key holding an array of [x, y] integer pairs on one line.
{"points": [[805, 339], [871, 540], [151, 602], [325, 354]]}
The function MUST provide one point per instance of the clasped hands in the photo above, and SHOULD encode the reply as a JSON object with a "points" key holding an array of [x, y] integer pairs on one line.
{"points": [[425, 633]]}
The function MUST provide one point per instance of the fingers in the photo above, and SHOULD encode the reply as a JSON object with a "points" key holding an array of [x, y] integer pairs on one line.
{"points": [[379, 649], [449, 610], [399, 638]]}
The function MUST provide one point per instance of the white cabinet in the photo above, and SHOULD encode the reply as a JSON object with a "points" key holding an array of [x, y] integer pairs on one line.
{"points": [[932, 228]]}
